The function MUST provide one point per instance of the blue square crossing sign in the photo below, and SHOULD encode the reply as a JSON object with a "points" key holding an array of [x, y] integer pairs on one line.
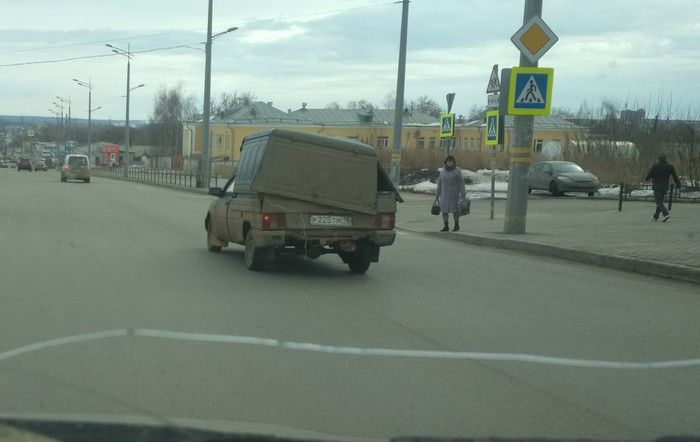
{"points": [[492, 128], [447, 125], [530, 91]]}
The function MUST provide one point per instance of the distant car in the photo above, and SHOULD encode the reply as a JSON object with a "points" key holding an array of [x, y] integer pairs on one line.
{"points": [[4, 165], [41, 165], [25, 164], [75, 167], [559, 177]]}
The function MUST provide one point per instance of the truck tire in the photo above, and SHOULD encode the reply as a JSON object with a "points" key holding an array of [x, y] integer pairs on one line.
{"points": [[210, 236], [255, 257], [359, 264]]}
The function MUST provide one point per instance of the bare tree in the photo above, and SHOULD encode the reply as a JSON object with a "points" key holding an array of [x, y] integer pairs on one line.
{"points": [[389, 101], [426, 105], [227, 100], [475, 110], [563, 112], [361, 104], [332, 105], [165, 123], [190, 109]]}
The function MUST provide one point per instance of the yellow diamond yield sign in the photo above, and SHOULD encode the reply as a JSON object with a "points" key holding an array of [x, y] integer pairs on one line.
{"points": [[534, 39]]}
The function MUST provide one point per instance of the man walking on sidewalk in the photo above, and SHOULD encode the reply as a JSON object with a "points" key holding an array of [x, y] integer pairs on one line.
{"points": [[659, 175]]}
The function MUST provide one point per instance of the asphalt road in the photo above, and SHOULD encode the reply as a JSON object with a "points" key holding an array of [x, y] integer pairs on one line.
{"points": [[110, 255]]}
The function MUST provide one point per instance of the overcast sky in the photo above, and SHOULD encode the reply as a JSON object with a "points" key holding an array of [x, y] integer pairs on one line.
{"points": [[635, 53]]}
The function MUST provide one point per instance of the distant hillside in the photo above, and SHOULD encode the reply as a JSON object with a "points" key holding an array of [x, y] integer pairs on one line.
{"points": [[31, 120]]}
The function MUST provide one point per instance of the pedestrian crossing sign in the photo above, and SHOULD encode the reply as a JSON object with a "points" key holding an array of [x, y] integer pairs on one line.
{"points": [[447, 125], [530, 91], [492, 129]]}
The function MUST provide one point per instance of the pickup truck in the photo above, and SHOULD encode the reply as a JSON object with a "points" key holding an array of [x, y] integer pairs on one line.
{"points": [[304, 193]]}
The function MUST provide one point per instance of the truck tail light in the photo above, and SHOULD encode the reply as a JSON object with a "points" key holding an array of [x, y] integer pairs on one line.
{"points": [[385, 221], [65, 167], [273, 221]]}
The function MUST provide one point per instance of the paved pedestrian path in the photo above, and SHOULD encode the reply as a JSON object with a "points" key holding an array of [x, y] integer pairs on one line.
{"points": [[580, 229]]}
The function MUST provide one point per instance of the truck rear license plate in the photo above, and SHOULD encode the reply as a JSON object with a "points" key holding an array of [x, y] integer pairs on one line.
{"points": [[331, 220]]}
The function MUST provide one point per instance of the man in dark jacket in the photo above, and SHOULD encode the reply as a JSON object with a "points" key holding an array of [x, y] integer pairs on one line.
{"points": [[659, 175]]}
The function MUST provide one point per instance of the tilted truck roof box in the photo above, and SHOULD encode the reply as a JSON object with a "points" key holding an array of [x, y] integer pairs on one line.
{"points": [[332, 171]]}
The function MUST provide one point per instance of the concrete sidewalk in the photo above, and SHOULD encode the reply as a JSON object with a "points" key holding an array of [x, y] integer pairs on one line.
{"points": [[578, 229]]}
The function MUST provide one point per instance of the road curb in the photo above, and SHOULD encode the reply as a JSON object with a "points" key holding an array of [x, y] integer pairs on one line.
{"points": [[634, 265]]}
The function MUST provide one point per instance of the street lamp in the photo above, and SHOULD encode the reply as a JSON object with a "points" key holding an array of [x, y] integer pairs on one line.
{"points": [[89, 86], [67, 101], [58, 116], [204, 165], [128, 56], [59, 107]]}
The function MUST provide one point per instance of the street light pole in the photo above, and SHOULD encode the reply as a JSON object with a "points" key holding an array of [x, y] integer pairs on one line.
{"points": [[128, 56], [63, 100], [63, 126], [89, 86], [204, 162]]}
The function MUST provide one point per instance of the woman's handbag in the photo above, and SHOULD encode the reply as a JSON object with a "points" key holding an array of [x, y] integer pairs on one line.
{"points": [[464, 206], [435, 209]]}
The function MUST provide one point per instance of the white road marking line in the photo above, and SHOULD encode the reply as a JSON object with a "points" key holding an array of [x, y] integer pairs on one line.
{"points": [[357, 351]]}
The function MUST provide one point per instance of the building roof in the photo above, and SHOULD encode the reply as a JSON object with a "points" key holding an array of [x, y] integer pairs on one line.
{"points": [[351, 117], [256, 112], [262, 113], [542, 122]]}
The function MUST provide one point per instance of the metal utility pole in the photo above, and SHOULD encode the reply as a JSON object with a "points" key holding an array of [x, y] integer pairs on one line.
{"points": [[520, 153], [127, 143], [204, 158], [400, 81], [204, 175]]}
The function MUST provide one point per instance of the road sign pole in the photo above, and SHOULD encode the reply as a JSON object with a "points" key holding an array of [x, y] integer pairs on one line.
{"points": [[516, 204], [450, 143], [493, 179]]}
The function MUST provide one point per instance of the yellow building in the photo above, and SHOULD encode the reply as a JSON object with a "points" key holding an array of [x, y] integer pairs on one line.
{"points": [[375, 127], [371, 126]]}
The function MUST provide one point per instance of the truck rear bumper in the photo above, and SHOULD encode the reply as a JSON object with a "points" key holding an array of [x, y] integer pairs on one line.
{"points": [[280, 238]]}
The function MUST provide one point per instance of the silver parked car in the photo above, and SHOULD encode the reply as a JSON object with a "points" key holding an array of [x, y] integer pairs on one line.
{"points": [[559, 177]]}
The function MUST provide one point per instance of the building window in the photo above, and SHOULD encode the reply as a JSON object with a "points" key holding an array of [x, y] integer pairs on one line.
{"points": [[431, 143], [382, 142], [537, 146], [421, 143], [444, 143]]}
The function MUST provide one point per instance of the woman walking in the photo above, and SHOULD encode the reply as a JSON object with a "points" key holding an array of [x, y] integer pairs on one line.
{"points": [[450, 191]]}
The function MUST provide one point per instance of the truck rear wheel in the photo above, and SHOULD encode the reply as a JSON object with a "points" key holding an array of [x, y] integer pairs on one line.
{"points": [[255, 257], [359, 264]]}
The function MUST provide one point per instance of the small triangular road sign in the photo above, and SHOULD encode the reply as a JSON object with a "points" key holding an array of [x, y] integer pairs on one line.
{"points": [[494, 83]]}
